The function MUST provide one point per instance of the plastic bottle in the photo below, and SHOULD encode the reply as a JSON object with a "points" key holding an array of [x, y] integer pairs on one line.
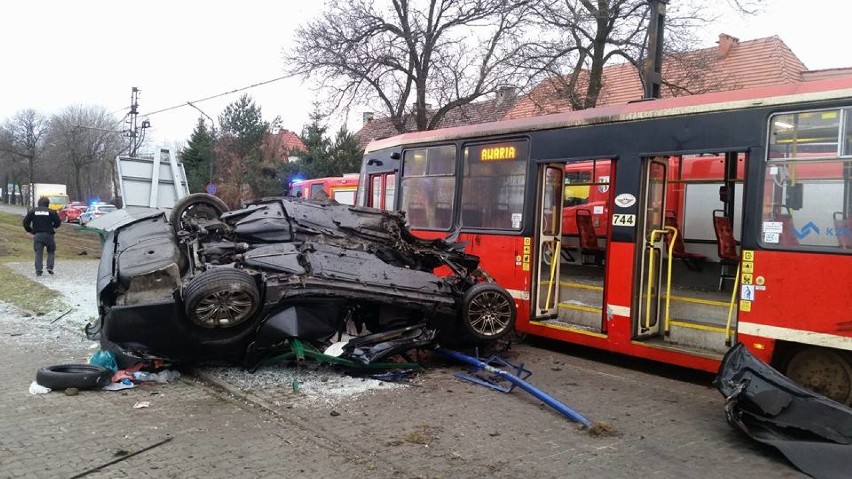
{"points": [[143, 376]]}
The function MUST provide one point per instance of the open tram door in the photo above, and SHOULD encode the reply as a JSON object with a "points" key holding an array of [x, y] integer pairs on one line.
{"points": [[549, 240], [650, 308]]}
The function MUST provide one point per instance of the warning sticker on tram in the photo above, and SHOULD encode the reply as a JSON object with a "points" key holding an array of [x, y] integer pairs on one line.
{"points": [[623, 220]]}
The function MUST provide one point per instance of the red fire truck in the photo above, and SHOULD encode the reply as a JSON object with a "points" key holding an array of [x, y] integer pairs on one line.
{"points": [[339, 188], [683, 225]]}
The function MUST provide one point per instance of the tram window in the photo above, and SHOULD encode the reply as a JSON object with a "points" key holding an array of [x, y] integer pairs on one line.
{"points": [[318, 192], [810, 134], [493, 185], [428, 186], [847, 139], [577, 187], [376, 191], [390, 191], [807, 184]]}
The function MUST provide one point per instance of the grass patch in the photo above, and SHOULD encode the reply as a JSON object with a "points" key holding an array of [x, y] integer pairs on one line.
{"points": [[26, 294], [17, 245]]}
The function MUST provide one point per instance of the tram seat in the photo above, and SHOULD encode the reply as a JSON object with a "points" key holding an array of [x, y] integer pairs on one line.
{"points": [[500, 216], [443, 215], [472, 215], [726, 244], [843, 230], [693, 261], [788, 235], [590, 251], [417, 215]]}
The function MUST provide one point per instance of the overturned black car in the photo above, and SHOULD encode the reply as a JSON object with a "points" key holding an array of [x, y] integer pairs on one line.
{"points": [[208, 283]]}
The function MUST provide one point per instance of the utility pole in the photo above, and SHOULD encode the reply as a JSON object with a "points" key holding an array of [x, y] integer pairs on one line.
{"points": [[652, 69], [132, 131]]}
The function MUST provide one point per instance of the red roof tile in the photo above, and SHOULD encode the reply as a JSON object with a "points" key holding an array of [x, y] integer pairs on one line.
{"points": [[730, 66], [286, 140]]}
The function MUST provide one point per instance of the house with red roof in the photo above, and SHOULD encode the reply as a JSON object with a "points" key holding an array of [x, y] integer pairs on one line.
{"points": [[731, 65], [284, 144]]}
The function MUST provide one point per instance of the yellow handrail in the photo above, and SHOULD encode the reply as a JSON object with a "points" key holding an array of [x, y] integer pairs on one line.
{"points": [[731, 307], [554, 259], [651, 269], [669, 278]]}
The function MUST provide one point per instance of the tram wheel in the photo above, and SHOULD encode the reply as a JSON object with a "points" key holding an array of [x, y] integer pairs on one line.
{"points": [[824, 371]]}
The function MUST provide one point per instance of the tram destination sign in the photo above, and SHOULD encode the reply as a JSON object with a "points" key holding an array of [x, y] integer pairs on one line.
{"points": [[503, 151]]}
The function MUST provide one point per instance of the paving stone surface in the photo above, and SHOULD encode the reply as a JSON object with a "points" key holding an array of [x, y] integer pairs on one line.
{"points": [[662, 422], [210, 434]]}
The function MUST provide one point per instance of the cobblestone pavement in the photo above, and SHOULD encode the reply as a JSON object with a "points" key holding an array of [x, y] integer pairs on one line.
{"points": [[212, 434], [445, 428], [665, 423]]}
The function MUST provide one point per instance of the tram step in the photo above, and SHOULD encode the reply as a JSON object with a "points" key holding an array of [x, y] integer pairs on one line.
{"points": [[703, 336]]}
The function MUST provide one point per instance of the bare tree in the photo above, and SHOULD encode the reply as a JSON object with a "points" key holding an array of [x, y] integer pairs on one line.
{"points": [[84, 141], [390, 54], [23, 138], [579, 37]]}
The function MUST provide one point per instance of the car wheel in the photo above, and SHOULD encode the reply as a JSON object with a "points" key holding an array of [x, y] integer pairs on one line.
{"points": [[221, 298], [80, 376], [197, 206], [823, 371], [488, 312]]}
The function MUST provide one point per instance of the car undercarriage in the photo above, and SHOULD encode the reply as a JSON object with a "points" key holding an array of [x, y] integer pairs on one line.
{"points": [[209, 283]]}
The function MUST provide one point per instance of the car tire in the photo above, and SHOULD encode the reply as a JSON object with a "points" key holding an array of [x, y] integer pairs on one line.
{"points": [[488, 312], [196, 206], [221, 299], [80, 376]]}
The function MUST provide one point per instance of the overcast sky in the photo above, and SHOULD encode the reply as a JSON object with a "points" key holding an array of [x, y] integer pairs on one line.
{"points": [[58, 53]]}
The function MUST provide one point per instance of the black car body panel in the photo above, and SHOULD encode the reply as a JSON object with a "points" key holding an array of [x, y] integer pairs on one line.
{"points": [[312, 267], [812, 431]]}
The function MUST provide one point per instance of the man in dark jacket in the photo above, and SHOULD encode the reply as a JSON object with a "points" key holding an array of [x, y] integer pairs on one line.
{"points": [[41, 221]]}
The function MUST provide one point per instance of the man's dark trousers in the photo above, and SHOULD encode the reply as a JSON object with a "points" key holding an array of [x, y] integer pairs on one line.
{"points": [[40, 242]]}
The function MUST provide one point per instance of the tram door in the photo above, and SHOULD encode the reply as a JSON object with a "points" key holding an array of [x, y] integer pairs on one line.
{"points": [[549, 240], [649, 298]]}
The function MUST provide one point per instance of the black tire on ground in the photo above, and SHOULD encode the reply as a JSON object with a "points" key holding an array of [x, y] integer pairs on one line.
{"points": [[198, 206], [80, 376], [221, 299], [488, 312]]}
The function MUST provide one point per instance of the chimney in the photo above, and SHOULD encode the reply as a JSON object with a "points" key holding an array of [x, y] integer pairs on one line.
{"points": [[368, 117], [726, 42], [505, 93]]}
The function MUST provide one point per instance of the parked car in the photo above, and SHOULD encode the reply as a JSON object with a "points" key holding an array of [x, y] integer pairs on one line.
{"points": [[96, 211], [238, 285], [71, 212]]}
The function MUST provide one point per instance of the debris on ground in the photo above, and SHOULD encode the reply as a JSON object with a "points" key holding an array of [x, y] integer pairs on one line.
{"points": [[812, 431], [497, 378]]}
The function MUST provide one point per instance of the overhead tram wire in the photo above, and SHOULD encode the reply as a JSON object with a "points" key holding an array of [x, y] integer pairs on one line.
{"points": [[185, 104]]}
